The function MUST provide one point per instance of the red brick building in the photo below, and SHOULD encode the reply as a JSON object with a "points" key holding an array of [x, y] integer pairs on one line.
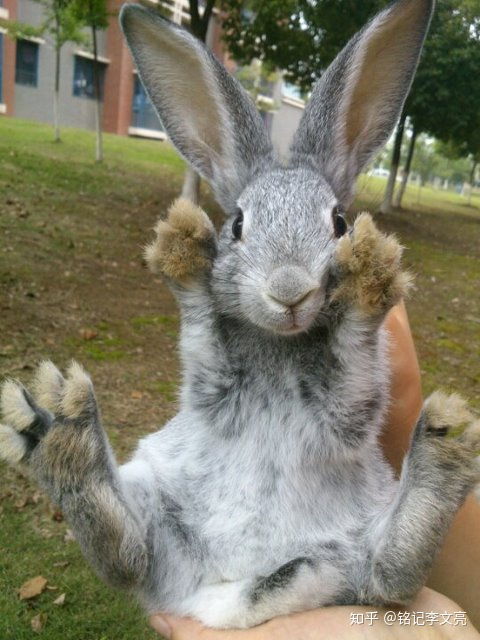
{"points": [[27, 70]]}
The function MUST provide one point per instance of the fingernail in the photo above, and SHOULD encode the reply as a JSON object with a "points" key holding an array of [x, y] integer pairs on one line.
{"points": [[162, 626]]}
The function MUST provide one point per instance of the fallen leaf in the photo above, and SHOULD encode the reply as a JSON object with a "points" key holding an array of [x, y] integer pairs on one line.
{"points": [[88, 334], [60, 600], [38, 622], [32, 588], [20, 504], [57, 515]]}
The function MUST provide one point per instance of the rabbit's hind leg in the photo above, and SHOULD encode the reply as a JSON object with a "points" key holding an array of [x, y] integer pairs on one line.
{"points": [[300, 584], [437, 475], [56, 435]]}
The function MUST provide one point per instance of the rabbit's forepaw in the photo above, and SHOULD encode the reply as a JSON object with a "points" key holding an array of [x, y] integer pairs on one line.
{"points": [[369, 269], [185, 243]]}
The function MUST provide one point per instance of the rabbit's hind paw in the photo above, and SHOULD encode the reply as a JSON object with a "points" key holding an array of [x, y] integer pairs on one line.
{"points": [[185, 243], [449, 414], [56, 431], [449, 435], [369, 268]]}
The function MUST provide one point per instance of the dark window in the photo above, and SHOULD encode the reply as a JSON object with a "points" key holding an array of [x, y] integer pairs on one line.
{"points": [[144, 115], [26, 68], [83, 79]]}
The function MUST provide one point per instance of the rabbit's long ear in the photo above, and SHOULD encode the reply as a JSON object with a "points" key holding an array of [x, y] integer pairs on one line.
{"points": [[356, 103], [205, 111]]}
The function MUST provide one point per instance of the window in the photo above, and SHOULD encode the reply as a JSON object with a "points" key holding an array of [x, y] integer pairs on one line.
{"points": [[83, 79], [144, 115], [26, 67]]}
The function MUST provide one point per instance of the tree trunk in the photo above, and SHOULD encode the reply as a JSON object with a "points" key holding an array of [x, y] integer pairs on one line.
{"points": [[406, 173], [98, 102], [472, 180], [191, 186], [56, 93], [386, 206]]}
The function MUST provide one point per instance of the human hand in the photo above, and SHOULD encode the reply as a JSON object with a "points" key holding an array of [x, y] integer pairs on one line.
{"points": [[329, 623]]}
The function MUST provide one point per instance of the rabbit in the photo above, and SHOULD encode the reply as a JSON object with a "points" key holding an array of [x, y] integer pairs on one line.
{"points": [[268, 492]]}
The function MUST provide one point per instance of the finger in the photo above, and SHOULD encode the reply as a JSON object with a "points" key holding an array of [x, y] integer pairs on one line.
{"points": [[173, 628]]}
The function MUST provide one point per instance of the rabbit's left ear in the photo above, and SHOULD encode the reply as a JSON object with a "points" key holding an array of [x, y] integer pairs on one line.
{"points": [[356, 103], [206, 113]]}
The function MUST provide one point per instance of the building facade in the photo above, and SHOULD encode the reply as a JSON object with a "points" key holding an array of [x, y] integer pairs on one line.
{"points": [[27, 77]]}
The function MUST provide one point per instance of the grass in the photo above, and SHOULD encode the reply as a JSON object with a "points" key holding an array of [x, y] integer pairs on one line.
{"points": [[72, 284]]}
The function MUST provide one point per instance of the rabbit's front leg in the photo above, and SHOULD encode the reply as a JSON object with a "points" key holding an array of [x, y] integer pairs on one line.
{"points": [[438, 473], [55, 434], [183, 252], [368, 271]]}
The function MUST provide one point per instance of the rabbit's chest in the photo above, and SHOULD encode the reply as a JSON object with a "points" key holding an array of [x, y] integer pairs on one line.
{"points": [[259, 505], [263, 514]]}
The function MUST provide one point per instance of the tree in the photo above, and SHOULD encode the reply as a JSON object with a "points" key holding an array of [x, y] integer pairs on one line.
{"points": [[407, 167], [60, 25], [298, 36], [94, 15], [445, 98]]}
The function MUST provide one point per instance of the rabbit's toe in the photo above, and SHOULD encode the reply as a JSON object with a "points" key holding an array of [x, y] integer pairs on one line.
{"points": [[25, 423], [369, 265], [185, 243]]}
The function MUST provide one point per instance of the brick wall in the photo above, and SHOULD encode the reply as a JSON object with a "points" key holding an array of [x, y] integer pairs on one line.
{"points": [[9, 50]]}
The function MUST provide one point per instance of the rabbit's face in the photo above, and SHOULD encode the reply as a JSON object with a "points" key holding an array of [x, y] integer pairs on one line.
{"points": [[275, 253]]}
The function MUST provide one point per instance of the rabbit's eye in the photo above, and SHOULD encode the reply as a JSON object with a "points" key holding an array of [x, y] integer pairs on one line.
{"points": [[339, 222], [237, 225]]}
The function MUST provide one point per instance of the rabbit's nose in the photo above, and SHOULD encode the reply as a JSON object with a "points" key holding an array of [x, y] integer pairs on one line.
{"points": [[290, 285]]}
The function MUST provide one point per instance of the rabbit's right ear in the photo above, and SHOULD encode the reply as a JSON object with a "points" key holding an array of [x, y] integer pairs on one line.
{"points": [[357, 101], [206, 113]]}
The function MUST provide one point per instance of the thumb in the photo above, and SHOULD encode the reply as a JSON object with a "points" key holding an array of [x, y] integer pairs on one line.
{"points": [[178, 628], [172, 628]]}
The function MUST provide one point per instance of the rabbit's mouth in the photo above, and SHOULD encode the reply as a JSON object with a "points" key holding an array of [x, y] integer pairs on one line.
{"points": [[289, 320], [295, 325]]}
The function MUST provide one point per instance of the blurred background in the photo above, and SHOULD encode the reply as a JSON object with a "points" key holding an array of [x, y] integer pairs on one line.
{"points": [[86, 169]]}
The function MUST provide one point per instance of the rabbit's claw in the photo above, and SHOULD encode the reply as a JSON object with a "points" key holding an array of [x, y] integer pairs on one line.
{"points": [[369, 268], [185, 243]]}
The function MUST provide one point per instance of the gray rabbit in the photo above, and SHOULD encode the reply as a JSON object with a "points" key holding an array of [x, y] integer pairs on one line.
{"points": [[268, 492]]}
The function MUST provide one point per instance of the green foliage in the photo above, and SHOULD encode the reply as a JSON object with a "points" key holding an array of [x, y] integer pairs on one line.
{"points": [[298, 36], [302, 37], [91, 13], [60, 23], [258, 80], [18, 30], [445, 98]]}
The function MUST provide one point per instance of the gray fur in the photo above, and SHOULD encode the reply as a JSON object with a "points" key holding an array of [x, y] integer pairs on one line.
{"points": [[268, 492]]}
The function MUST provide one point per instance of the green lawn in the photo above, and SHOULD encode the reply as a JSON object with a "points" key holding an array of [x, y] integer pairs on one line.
{"points": [[72, 284]]}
